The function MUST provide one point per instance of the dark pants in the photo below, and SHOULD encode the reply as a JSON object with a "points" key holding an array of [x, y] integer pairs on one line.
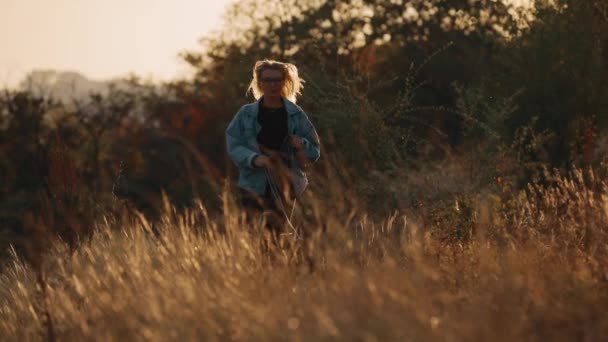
{"points": [[256, 205], [254, 202]]}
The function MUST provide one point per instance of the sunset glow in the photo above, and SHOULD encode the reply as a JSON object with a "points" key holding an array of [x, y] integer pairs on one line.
{"points": [[102, 39]]}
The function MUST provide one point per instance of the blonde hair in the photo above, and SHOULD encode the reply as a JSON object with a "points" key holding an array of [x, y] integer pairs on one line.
{"points": [[293, 83]]}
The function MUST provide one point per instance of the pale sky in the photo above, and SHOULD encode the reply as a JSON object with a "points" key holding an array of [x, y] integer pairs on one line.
{"points": [[102, 39]]}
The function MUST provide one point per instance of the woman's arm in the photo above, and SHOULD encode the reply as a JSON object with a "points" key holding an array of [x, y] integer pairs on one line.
{"points": [[236, 143], [310, 139]]}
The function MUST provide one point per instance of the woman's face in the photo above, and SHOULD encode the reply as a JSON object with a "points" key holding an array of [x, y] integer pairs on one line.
{"points": [[271, 82]]}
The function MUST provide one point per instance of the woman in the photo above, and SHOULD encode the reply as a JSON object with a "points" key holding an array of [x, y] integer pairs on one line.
{"points": [[272, 141]]}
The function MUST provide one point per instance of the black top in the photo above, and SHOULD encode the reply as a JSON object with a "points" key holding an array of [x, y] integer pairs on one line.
{"points": [[273, 134], [274, 127]]}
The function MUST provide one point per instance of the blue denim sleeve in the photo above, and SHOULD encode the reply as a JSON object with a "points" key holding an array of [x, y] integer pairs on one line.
{"points": [[310, 138], [239, 152]]}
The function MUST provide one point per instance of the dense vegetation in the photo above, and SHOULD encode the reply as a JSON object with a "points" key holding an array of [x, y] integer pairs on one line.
{"points": [[484, 125]]}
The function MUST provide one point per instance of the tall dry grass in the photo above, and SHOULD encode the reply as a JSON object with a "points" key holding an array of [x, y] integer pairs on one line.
{"points": [[534, 266]]}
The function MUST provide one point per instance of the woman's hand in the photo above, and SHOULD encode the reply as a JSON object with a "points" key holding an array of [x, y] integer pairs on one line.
{"points": [[296, 142], [262, 161]]}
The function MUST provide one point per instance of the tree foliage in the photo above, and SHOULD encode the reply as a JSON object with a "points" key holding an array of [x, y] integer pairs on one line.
{"points": [[389, 84]]}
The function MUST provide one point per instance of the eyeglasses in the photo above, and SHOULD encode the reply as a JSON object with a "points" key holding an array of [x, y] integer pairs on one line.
{"points": [[272, 80]]}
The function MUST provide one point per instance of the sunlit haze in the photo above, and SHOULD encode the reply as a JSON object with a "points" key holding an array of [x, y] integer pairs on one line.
{"points": [[102, 39]]}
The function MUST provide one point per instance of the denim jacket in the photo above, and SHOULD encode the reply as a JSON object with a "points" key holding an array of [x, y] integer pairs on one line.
{"points": [[241, 141]]}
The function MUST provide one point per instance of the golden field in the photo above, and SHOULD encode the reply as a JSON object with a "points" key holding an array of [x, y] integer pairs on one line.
{"points": [[531, 265]]}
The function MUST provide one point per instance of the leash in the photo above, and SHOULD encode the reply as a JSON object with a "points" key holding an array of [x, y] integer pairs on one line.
{"points": [[278, 198], [274, 188]]}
